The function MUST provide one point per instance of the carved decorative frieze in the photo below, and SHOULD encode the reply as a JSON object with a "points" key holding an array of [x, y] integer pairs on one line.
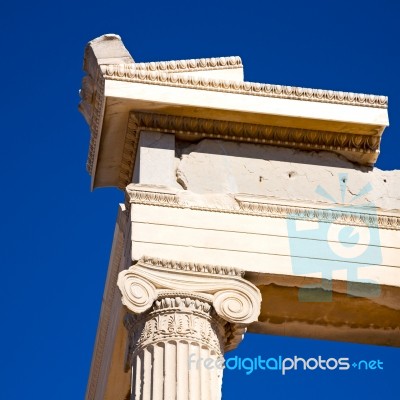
{"points": [[352, 216], [201, 128], [270, 207], [193, 267], [200, 64]]}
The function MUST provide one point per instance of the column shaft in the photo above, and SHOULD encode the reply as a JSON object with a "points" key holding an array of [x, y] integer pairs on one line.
{"points": [[169, 347]]}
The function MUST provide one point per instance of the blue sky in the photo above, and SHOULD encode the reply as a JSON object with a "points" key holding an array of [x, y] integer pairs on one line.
{"points": [[56, 234]]}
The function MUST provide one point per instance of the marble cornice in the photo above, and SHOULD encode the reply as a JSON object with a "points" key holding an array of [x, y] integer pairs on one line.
{"points": [[129, 73], [352, 145], [92, 108], [175, 97]]}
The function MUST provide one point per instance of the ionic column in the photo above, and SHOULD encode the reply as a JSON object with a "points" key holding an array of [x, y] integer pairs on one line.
{"points": [[182, 318]]}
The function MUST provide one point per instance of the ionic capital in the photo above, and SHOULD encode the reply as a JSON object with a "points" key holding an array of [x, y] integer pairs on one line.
{"points": [[234, 299]]}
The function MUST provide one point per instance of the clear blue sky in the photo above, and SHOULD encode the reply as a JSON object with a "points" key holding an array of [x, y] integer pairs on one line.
{"points": [[56, 234]]}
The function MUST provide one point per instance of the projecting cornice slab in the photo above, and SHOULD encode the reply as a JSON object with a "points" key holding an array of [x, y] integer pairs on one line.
{"points": [[207, 98]]}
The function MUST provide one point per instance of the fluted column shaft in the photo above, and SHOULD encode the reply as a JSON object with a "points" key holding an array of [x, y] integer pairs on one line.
{"points": [[182, 318], [168, 346]]}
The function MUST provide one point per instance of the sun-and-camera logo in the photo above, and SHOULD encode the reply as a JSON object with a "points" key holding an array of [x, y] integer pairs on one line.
{"points": [[345, 237]]}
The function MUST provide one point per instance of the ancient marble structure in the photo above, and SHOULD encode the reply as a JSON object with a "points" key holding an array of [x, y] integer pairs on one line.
{"points": [[248, 207]]}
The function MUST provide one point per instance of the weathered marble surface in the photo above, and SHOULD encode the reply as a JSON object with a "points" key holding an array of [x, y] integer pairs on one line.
{"points": [[217, 166]]}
